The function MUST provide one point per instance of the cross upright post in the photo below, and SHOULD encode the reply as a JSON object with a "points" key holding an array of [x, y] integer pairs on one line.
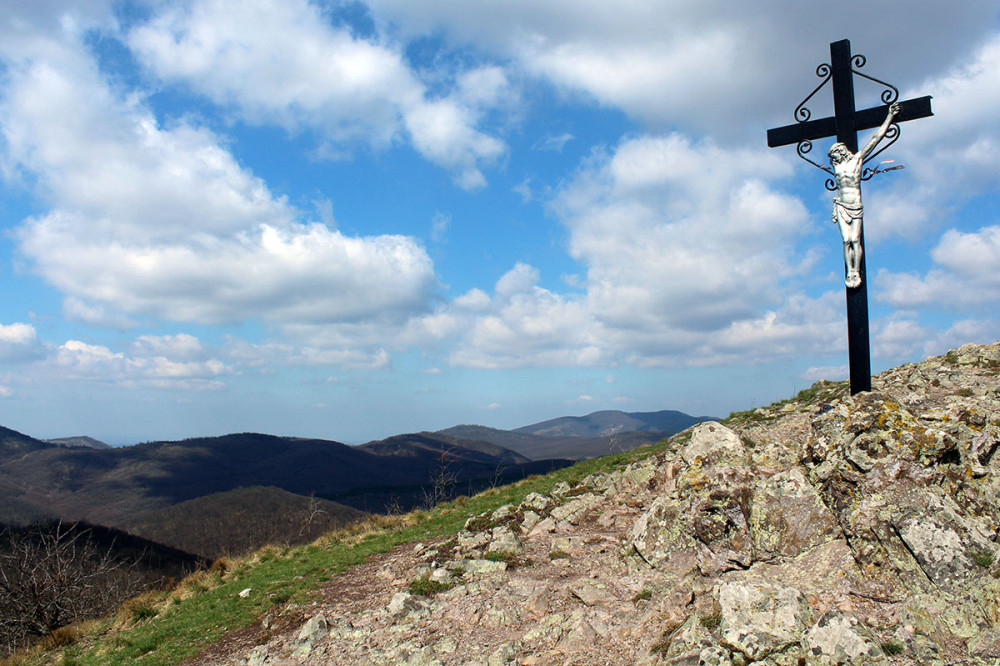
{"points": [[845, 125], [857, 298]]}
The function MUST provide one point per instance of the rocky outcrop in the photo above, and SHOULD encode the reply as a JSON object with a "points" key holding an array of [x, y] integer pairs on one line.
{"points": [[829, 529]]}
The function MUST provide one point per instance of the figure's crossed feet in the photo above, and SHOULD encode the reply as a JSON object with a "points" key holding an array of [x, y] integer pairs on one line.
{"points": [[853, 280]]}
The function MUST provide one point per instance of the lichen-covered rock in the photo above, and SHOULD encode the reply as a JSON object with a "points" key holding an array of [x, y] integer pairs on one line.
{"points": [[505, 541], [712, 443], [788, 517], [575, 509], [760, 619], [703, 522], [690, 642], [839, 639]]}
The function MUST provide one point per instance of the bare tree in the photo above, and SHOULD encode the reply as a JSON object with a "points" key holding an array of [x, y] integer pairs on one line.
{"points": [[51, 577], [311, 514], [443, 480], [612, 434]]}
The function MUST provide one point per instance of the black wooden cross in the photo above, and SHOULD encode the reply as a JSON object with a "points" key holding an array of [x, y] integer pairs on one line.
{"points": [[845, 125]]}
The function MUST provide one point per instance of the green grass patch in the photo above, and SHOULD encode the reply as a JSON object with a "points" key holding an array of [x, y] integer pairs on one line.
{"points": [[820, 392], [983, 558], [892, 648], [501, 556], [425, 586]]}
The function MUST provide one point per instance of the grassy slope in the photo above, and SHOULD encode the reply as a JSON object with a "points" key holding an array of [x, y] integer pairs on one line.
{"points": [[168, 627]]}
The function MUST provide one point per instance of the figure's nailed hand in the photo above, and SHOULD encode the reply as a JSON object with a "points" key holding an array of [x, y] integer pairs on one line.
{"points": [[894, 109]]}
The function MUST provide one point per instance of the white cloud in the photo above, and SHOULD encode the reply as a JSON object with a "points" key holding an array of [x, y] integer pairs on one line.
{"points": [[19, 343], [903, 337], [830, 373], [950, 157], [526, 325], [681, 237], [965, 275], [439, 226], [309, 347], [553, 143], [695, 64], [79, 361], [165, 223], [689, 257], [279, 61]]}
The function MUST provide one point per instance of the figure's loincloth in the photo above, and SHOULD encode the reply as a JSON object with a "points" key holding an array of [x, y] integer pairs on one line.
{"points": [[847, 213]]}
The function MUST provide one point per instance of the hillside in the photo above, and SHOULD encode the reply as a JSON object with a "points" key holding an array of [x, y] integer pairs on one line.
{"points": [[14, 443], [819, 530], [80, 440], [54, 574], [582, 437], [239, 521], [603, 423], [113, 486]]}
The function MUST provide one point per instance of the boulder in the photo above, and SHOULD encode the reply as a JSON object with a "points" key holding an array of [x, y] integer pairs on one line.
{"points": [[788, 517], [761, 619]]}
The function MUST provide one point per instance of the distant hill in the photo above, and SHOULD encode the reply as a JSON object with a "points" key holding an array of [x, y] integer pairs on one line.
{"points": [[114, 486], [236, 522], [603, 423], [155, 487], [582, 437], [81, 440], [14, 443], [429, 445]]}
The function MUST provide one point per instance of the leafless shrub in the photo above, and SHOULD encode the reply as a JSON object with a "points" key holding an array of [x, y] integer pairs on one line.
{"points": [[53, 576], [443, 480]]}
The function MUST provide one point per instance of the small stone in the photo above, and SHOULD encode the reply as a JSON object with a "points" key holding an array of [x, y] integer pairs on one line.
{"points": [[313, 630], [591, 592]]}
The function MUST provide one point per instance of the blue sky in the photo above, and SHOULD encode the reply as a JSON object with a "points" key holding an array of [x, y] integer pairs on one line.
{"points": [[352, 220]]}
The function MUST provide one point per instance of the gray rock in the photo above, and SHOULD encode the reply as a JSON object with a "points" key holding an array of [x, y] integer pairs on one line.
{"points": [[403, 603], [505, 541], [258, 656], [536, 502], [788, 517], [761, 619], [839, 639], [574, 510], [315, 629], [592, 592], [712, 443]]}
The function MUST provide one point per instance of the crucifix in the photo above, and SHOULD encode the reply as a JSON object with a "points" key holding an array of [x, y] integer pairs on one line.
{"points": [[847, 171]]}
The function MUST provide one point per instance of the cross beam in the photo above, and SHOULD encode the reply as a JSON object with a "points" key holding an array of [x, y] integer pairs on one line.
{"points": [[845, 125]]}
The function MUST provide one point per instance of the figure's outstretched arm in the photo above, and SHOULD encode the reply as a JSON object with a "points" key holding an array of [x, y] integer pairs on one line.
{"points": [[880, 132]]}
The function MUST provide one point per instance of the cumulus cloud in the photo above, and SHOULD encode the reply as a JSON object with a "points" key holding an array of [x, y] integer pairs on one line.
{"points": [[527, 325], [689, 256], [951, 157], [76, 360], [309, 346], [679, 236], [964, 275], [163, 222], [281, 62], [638, 56], [19, 343]]}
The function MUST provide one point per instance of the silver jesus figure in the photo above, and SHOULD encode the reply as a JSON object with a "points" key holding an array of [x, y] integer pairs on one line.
{"points": [[847, 210]]}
